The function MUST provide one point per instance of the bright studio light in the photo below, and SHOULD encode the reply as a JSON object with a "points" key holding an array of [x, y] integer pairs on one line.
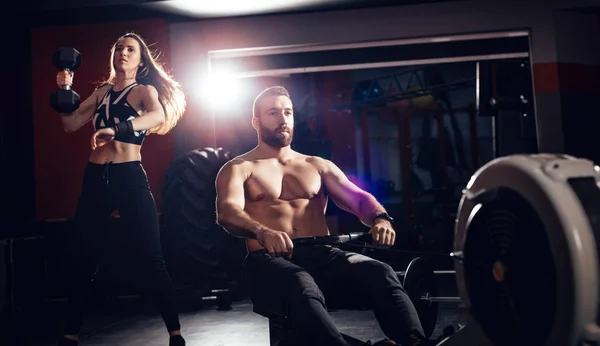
{"points": [[221, 90], [234, 7]]}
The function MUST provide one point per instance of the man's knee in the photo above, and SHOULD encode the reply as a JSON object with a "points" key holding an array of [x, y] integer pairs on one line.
{"points": [[294, 282], [304, 287], [286, 291], [378, 273]]}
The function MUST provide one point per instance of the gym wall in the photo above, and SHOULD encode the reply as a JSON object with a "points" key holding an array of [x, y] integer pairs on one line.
{"points": [[564, 77], [196, 39], [398, 22], [572, 80], [339, 127], [16, 147], [60, 158]]}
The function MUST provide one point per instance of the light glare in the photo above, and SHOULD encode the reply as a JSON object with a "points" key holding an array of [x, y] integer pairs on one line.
{"points": [[221, 90]]}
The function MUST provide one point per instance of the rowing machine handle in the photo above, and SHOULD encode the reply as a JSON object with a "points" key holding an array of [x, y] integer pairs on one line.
{"points": [[360, 236]]}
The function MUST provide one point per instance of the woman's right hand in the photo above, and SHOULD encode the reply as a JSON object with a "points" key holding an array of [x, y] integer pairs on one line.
{"points": [[64, 78]]}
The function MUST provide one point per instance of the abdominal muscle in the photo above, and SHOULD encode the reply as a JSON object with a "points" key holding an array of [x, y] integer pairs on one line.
{"points": [[116, 152], [298, 218]]}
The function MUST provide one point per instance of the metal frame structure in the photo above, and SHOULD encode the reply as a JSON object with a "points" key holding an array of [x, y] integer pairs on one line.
{"points": [[378, 97]]}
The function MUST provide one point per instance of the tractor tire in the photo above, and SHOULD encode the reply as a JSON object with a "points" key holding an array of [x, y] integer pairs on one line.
{"points": [[197, 251]]}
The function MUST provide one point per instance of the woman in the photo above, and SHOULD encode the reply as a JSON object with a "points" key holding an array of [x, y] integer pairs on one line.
{"points": [[137, 99]]}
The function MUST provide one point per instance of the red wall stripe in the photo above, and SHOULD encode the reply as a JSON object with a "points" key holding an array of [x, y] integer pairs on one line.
{"points": [[556, 77]]}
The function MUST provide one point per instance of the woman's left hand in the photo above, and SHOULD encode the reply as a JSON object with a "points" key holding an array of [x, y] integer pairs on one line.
{"points": [[102, 136]]}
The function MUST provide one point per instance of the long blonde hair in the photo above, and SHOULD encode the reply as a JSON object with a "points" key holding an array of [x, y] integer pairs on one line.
{"points": [[170, 94]]}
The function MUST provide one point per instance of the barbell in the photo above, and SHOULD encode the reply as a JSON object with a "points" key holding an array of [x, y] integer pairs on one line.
{"points": [[426, 295], [421, 287]]}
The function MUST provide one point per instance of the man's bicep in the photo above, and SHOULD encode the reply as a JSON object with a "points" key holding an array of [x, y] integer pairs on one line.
{"points": [[344, 193], [230, 187]]}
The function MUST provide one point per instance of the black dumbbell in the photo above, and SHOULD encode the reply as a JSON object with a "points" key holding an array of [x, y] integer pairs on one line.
{"points": [[65, 100]]}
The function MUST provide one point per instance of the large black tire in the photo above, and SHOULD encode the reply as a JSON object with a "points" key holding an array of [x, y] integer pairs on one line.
{"points": [[197, 250]]}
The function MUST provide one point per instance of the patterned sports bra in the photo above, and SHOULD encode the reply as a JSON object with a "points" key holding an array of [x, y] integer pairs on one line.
{"points": [[114, 109]]}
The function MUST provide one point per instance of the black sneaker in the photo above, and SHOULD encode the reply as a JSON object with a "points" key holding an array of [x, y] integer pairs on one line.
{"points": [[176, 340]]}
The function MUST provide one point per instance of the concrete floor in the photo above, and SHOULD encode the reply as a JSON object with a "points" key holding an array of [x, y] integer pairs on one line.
{"points": [[134, 322]]}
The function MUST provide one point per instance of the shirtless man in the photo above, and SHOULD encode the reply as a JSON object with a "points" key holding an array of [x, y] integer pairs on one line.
{"points": [[271, 195]]}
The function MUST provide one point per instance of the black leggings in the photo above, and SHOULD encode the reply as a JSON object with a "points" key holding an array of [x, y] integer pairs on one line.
{"points": [[123, 187], [300, 287]]}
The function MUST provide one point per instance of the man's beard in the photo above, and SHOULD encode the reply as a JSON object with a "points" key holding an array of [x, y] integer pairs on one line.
{"points": [[272, 139]]}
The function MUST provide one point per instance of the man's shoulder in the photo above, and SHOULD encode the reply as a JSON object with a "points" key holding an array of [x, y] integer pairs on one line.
{"points": [[243, 158], [233, 168], [322, 164], [316, 160], [235, 161]]}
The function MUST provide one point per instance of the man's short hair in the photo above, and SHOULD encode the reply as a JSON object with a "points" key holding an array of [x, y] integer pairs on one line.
{"points": [[270, 91]]}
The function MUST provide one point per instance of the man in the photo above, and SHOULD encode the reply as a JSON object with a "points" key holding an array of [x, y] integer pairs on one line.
{"points": [[271, 195]]}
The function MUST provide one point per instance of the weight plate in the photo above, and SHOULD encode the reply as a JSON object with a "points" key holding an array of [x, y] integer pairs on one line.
{"points": [[419, 281]]}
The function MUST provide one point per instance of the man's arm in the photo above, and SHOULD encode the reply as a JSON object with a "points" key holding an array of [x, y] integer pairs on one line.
{"points": [[348, 196], [230, 202]]}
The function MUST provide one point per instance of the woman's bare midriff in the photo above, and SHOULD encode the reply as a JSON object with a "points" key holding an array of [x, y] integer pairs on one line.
{"points": [[298, 218], [116, 152]]}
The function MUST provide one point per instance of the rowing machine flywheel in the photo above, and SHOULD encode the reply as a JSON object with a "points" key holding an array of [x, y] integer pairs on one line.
{"points": [[528, 266]]}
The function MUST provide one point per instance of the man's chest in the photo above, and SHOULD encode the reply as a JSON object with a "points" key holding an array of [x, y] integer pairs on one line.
{"points": [[290, 182]]}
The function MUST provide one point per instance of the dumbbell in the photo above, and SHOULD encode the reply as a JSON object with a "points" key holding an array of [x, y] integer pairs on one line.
{"points": [[65, 100]]}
